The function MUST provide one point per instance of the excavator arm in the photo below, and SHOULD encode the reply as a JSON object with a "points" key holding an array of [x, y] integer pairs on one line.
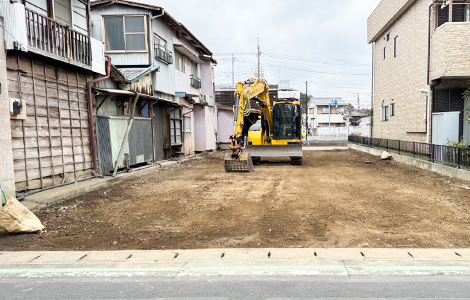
{"points": [[252, 89]]}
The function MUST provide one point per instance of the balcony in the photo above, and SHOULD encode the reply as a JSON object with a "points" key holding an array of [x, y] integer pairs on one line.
{"points": [[47, 37], [450, 51], [163, 55], [195, 82]]}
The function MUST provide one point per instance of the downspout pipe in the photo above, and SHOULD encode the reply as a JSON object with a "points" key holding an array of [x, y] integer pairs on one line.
{"points": [[158, 16], [94, 148]]}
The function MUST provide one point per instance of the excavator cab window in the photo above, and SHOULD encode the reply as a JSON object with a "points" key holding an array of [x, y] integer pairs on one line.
{"points": [[286, 122]]}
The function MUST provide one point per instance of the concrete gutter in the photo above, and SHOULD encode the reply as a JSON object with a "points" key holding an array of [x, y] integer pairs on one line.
{"points": [[423, 164], [340, 262]]}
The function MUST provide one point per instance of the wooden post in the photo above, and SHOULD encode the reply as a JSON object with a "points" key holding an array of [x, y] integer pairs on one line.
{"points": [[126, 135]]}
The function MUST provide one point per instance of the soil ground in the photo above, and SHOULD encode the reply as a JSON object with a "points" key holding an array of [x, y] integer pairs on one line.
{"points": [[335, 199]]}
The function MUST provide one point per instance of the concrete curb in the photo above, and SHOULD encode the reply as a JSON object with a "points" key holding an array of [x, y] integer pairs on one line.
{"points": [[340, 262], [423, 164]]}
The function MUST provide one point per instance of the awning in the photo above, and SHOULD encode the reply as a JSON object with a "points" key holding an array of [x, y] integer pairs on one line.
{"points": [[186, 51], [130, 93]]}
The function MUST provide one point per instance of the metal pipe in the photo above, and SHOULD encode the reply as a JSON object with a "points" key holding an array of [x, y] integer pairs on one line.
{"points": [[94, 148]]}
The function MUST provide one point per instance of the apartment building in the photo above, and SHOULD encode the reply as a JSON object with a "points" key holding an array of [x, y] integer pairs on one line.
{"points": [[143, 38], [47, 57], [420, 70]]}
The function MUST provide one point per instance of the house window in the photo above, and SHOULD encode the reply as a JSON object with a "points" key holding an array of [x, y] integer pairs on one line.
{"points": [[384, 113], [193, 68], [388, 36], [395, 46], [125, 33], [384, 54], [392, 109], [187, 124], [175, 127], [460, 12], [161, 51], [179, 61], [311, 111], [325, 110]]}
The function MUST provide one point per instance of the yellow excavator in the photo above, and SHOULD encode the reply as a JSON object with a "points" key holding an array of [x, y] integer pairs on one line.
{"points": [[275, 130]]}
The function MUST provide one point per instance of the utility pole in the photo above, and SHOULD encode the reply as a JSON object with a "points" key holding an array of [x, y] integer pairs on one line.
{"points": [[233, 70], [329, 119], [306, 109], [259, 59]]}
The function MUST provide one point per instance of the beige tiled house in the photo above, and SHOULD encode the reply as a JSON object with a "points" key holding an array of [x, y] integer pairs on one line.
{"points": [[421, 67]]}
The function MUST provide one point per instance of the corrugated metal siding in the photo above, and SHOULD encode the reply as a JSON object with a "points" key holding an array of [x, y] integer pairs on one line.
{"points": [[110, 135], [52, 145], [140, 142], [157, 127], [130, 59], [105, 153]]}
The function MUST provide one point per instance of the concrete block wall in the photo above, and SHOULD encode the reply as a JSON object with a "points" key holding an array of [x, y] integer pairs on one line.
{"points": [[7, 178], [402, 80]]}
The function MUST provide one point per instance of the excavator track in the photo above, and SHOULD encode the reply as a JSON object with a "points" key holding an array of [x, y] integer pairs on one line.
{"points": [[238, 164]]}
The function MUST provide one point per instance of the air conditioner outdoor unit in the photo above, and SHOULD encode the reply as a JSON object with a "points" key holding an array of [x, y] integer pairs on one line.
{"points": [[205, 99]]}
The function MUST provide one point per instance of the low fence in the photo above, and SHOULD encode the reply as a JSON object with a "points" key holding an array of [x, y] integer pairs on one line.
{"points": [[453, 156]]}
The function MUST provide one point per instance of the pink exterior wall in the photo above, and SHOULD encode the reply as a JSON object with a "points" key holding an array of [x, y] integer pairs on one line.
{"points": [[224, 125]]}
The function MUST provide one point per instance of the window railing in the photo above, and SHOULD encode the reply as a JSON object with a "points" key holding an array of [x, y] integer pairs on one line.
{"points": [[452, 156], [195, 82], [163, 55], [48, 35]]}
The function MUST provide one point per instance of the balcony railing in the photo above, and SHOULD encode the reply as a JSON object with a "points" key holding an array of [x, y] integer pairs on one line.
{"points": [[195, 82], [49, 36], [163, 55]]}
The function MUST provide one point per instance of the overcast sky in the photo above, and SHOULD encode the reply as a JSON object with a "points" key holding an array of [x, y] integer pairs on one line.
{"points": [[322, 42]]}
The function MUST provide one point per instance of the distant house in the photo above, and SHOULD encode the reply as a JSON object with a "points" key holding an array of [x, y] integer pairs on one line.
{"points": [[171, 71], [324, 117], [360, 123]]}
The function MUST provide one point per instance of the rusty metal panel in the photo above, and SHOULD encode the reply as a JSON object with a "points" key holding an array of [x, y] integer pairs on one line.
{"points": [[144, 85]]}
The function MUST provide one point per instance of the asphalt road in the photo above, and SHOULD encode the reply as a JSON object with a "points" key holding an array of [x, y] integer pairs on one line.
{"points": [[135, 286]]}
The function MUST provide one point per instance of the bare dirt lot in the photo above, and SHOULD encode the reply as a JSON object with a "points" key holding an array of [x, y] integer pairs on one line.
{"points": [[335, 199]]}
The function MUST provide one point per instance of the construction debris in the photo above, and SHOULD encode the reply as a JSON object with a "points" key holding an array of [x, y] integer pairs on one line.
{"points": [[16, 218], [386, 156]]}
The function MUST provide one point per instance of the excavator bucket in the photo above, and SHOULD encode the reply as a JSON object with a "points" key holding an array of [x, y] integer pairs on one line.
{"points": [[242, 163]]}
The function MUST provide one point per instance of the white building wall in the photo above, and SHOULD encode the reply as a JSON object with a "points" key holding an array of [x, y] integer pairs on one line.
{"points": [[165, 79], [120, 59]]}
